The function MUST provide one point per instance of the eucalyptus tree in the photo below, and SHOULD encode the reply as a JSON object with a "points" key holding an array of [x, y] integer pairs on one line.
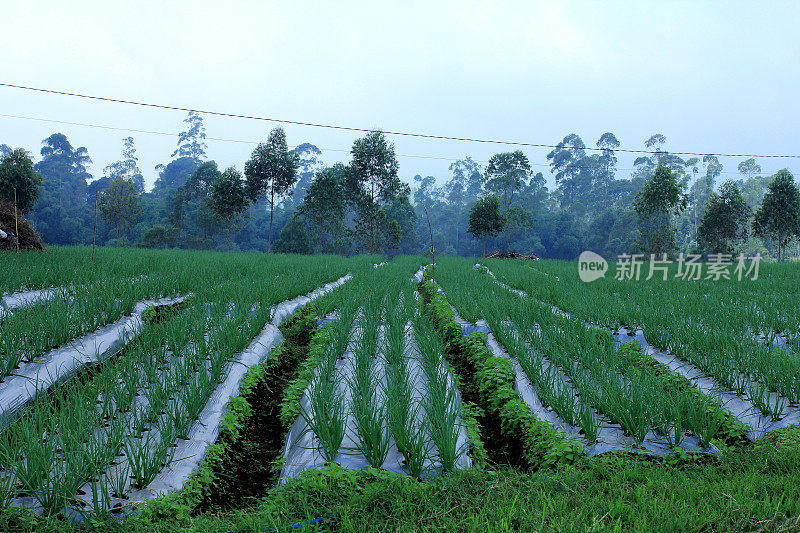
{"points": [[371, 180], [228, 198], [753, 186], [726, 218], [506, 175], [324, 205], [127, 166], [485, 218], [778, 218], [119, 204], [271, 172], [660, 198], [192, 141]]}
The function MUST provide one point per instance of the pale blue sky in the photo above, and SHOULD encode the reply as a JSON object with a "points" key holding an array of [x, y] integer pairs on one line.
{"points": [[711, 76]]}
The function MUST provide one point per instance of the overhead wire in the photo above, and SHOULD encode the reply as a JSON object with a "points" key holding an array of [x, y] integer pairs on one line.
{"points": [[367, 130]]}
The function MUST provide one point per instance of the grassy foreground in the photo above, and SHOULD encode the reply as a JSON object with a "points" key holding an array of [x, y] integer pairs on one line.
{"points": [[752, 488]]}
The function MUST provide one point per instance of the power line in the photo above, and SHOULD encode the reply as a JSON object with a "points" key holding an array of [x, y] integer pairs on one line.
{"points": [[250, 142], [367, 130]]}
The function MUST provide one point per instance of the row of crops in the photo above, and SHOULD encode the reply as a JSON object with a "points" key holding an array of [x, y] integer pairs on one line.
{"points": [[380, 392], [615, 396], [725, 329], [514, 362], [124, 427]]}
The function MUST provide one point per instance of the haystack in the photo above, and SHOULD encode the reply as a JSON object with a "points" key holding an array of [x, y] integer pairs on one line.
{"points": [[28, 238]]}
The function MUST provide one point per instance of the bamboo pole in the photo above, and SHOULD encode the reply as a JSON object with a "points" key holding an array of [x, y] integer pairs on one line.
{"points": [[16, 220], [433, 250], [94, 235]]}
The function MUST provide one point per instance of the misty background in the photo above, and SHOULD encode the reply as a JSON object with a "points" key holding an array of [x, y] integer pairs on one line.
{"points": [[710, 77]]}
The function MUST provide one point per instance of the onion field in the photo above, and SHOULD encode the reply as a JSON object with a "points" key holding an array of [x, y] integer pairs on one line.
{"points": [[214, 380]]}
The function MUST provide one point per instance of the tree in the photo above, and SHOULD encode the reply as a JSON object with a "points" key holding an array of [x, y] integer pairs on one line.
{"points": [[778, 218], [324, 205], [191, 143], [175, 174], [660, 197], [127, 166], [749, 168], [309, 162], [506, 175], [157, 237], [485, 218], [228, 198], [294, 238], [271, 172], [372, 179], [120, 204], [4, 150], [725, 219], [17, 173], [514, 220], [468, 174], [607, 162]]}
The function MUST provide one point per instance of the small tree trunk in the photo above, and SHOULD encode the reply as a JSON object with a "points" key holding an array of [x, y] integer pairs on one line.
{"points": [[229, 234]]}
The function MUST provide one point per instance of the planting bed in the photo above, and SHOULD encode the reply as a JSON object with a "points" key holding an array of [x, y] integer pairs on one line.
{"points": [[240, 378], [381, 394]]}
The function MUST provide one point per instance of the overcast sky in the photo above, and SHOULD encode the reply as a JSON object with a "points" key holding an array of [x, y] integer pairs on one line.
{"points": [[711, 76]]}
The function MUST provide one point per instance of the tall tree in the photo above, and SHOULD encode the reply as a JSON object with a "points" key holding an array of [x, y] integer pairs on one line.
{"points": [[569, 163], [469, 175], [192, 141], [506, 175], [120, 204], [778, 218], [127, 166], [271, 172], [661, 197], [485, 218], [228, 198], [371, 181], [753, 186], [19, 180], [607, 163], [309, 162], [324, 205], [60, 216], [725, 219]]}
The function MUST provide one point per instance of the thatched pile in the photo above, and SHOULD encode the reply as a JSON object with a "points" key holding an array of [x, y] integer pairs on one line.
{"points": [[511, 255], [28, 238]]}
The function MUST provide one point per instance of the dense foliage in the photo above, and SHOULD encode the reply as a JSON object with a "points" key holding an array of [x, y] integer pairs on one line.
{"points": [[302, 205]]}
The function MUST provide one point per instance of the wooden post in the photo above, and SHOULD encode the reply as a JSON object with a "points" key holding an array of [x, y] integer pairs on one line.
{"points": [[16, 220], [433, 250], [94, 235]]}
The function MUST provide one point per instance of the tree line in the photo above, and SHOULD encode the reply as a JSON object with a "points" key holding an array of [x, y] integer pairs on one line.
{"points": [[287, 200]]}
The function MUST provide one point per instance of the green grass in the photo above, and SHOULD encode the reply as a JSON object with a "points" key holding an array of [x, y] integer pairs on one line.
{"points": [[752, 488]]}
